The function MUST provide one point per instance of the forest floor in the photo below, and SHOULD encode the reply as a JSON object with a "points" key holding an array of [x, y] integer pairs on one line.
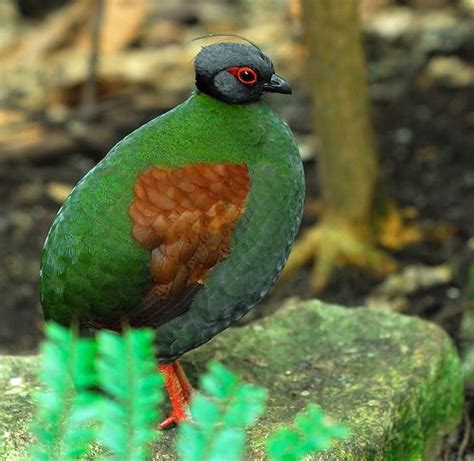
{"points": [[425, 133]]}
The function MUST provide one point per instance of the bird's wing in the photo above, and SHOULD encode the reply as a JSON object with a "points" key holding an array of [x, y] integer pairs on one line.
{"points": [[185, 217]]}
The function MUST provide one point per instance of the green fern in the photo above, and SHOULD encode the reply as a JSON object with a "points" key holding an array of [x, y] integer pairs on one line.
{"points": [[313, 434], [108, 391], [66, 404], [219, 418], [127, 373]]}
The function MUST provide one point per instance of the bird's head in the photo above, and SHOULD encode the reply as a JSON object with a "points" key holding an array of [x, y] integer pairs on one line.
{"points": [[236, 73]]}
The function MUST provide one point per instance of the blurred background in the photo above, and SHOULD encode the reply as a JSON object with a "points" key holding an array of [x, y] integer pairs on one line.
{"points": [[78, 75]]}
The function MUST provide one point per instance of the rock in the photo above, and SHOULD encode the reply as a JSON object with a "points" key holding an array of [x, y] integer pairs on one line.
{"points": [[394, 380], [442, 31], [429, 4], [368, 8], [438, 30], [17, 384], [393, 291], [392, 23], [467, 332], [450, 72], [468, 6]]}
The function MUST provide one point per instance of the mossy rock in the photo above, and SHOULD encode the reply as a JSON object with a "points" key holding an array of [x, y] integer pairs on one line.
{"points": [[467, 332], [396, 381]]}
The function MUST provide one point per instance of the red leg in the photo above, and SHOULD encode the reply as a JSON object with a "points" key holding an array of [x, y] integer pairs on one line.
{"points": [[176, 395], [183, 380]]}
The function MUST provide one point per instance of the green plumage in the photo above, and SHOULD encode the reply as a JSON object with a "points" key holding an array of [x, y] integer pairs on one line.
{"points": [[93, 268]]}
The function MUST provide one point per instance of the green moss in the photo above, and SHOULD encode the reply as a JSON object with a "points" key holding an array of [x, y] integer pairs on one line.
{"points": [[17, 383], [467, 332], [395, 381]]}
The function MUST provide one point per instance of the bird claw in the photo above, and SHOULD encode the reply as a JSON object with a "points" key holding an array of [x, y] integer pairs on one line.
{"points": [[179, 391], [171, 421]]}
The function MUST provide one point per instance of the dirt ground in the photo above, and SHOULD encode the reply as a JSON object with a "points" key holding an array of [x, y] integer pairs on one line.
{"points": [[425, 134]]}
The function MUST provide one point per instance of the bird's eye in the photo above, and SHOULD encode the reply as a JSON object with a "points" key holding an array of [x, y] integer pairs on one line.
{"points": [[245, 75]]}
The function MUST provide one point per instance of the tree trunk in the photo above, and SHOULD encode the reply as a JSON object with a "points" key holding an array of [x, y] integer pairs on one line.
{"points": [[348, 163]]}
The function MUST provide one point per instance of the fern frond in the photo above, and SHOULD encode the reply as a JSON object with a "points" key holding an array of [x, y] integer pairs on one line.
{"points": [[313, 434], [65, 406], [128, 375], [220, 417]]}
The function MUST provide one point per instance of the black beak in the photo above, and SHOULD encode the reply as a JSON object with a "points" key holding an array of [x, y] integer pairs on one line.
{"points": [[277, 84]]}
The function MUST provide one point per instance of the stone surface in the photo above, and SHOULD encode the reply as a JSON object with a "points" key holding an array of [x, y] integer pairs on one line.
{"points": [[467, 333], [449, 71], [396, 381]]}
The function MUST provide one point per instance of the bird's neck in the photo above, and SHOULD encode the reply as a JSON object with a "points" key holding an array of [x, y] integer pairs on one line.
{"points": [[203, 98]]}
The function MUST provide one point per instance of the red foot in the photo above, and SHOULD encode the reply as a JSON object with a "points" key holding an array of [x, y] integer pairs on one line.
{"points": [[179, 392], [171, 421], [183, 381]]}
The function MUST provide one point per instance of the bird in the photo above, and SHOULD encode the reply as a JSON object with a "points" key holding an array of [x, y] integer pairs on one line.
{"points": [[187, 222]]}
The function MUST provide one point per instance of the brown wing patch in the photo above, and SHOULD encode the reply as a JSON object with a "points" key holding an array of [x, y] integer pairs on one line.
{"points": [[185, 217]]}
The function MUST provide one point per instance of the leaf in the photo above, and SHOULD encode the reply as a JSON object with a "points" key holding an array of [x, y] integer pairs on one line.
{"points": [[228, 444], [247, 406], [283, 445], [220, 417], [219, 382], [191, 442], [313, 434], [205, 411], [66, 407], [127, 373]]}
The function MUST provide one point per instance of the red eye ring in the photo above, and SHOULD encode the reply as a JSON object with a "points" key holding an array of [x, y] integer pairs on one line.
{"points": [[245, 75]]}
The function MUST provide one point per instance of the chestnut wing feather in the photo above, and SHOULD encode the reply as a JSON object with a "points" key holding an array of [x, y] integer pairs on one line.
{"points": [[185, 218]]}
